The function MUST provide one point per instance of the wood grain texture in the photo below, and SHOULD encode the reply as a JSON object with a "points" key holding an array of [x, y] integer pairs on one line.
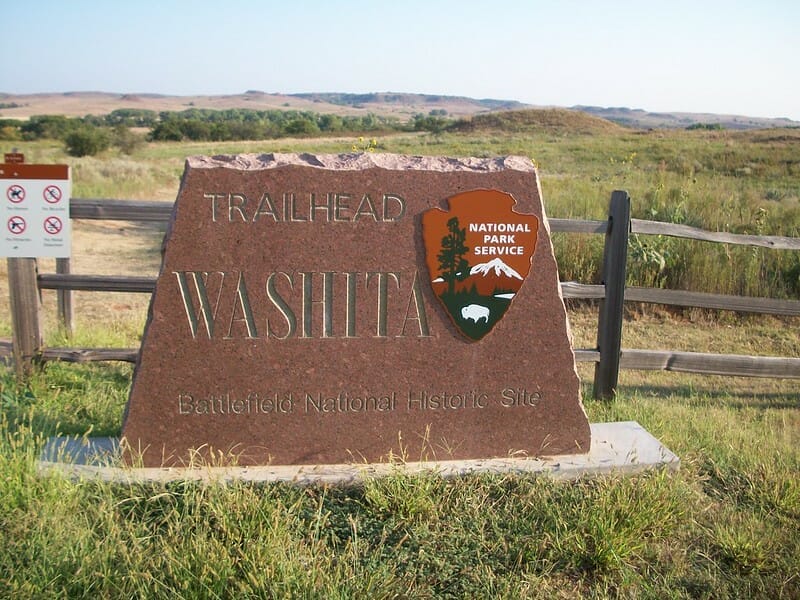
{"points": [[577, 226], [119, 210], [693, 233], [85, 355], [66, 313], [97, 283], [711, 364], [25, 306], [609, 326], [718, 301]]}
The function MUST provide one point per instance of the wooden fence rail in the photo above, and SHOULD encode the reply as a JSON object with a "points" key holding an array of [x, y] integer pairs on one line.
{"points": [[773, 242], [25, 284]]}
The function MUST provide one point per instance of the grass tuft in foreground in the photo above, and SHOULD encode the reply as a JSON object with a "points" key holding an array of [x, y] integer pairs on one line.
{"points": [[725, 525]]}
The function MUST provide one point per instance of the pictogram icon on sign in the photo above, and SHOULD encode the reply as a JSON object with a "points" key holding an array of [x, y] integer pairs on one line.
{"points": [[52, 194], [16, 225], [15, 193], [53, 225]]}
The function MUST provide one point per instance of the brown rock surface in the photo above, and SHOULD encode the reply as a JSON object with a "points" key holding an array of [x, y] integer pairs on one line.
{"points": [[294, 322]]}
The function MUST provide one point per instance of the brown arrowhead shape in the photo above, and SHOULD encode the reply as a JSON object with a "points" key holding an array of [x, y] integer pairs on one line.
{"points": [[478, 255]]}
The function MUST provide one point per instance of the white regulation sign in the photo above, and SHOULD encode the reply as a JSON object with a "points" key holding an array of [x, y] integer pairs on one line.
{"points": [[35, 210]]}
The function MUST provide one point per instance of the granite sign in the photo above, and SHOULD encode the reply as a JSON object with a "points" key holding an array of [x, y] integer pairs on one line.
{"points": [[323, 309]]}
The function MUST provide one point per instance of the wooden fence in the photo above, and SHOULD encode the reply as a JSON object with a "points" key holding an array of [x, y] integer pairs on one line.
{"points": [[25, 284]]}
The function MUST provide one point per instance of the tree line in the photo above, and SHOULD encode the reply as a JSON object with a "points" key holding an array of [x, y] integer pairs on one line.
{"points": [[92, 134]]}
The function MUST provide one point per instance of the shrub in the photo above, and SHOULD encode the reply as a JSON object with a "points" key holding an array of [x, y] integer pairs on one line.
{"points": [[167, 131], [330, 123], [51, 127], [132, 117], [9, 132], [126, 140], [433, 124], [706, 126], [301, 126], [87, 141]]}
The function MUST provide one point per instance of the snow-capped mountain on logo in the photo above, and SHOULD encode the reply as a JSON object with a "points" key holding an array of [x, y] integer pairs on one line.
{"points": [[499, 267], [487, 279], [491, 278]]}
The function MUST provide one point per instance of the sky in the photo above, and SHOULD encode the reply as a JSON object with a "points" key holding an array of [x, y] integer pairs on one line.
{"points": [[726, 57]]}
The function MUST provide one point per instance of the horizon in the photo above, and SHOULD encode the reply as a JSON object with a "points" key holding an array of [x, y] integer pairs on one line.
{"points": [[712, 58], [576, 107]]}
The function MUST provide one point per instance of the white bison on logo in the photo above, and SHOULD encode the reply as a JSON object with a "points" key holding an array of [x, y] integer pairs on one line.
{"points": [[476, 312]]}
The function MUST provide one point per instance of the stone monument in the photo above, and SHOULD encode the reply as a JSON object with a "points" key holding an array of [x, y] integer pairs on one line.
{"points": [[328, 309]]}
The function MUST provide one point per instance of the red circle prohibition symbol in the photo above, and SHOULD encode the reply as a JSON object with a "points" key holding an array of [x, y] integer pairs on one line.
{"points": [[53, 225], [16, 193], [17, 225], [52, 194]]}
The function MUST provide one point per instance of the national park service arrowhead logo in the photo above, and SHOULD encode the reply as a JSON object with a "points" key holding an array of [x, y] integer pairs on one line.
{"points": [[478, 255]]}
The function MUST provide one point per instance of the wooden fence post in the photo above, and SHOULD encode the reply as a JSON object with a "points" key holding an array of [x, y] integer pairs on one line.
{"points": [[609, 326], [25, 305], [64, 297]]}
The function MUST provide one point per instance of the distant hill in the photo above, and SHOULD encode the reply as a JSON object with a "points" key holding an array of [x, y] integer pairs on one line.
{"points": [[555, 120], [422, 102], [401, 105], [642, 119]]}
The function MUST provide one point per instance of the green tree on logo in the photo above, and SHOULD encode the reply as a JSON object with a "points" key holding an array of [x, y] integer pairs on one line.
{"points": [[451, 257]]}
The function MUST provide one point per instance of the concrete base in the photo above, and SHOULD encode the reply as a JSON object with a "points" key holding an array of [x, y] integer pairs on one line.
{"points": [[624, 447]]}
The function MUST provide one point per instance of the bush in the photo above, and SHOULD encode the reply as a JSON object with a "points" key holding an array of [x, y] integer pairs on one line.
{"points": [[433, 124], [330, 123], [86, 142], [51, 127], [706, 126], [301, 126], [9, 132], [167, 131], [132, 117], [126, 140]]}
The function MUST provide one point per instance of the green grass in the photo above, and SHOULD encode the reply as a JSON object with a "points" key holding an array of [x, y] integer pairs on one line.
{"points": [[725, 525]]}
